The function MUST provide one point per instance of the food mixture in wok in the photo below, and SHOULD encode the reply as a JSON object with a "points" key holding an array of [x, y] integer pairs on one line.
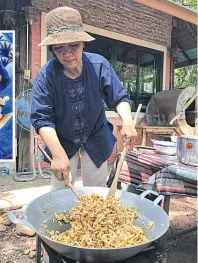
{"points": [[100, 222]]}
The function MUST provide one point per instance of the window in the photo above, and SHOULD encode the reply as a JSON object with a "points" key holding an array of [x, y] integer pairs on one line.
{"points": [[139, 69]]}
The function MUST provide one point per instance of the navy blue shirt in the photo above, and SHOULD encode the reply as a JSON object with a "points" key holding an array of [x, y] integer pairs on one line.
{"points": [[75, 107]]}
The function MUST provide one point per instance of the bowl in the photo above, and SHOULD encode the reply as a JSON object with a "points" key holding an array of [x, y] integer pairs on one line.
{"points": [[174, 138], [165, 147]]}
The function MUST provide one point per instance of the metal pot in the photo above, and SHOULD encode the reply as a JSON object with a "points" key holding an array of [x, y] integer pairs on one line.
{"points": [[187, 149], [44, 207]]}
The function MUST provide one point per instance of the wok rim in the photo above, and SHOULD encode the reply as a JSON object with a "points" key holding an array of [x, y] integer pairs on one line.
{"points": [[99, 249]]}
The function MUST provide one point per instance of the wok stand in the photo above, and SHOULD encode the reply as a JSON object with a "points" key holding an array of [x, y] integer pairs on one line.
{"points": [[153, 254], [55, 201]]}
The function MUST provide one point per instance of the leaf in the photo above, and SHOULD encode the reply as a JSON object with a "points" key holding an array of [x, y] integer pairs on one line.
{"points": [[188, 3], [5, 49], [5, 61], [185, 76]]}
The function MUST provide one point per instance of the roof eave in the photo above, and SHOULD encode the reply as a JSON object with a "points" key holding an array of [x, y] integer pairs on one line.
{"points": [[172, 9]]}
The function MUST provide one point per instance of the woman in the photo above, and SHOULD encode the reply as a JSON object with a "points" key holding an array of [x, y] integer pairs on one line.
{"points": [[68, 102]]}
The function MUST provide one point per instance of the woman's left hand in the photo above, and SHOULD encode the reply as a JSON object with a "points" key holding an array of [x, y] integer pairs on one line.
{"points": [[128, 132]]}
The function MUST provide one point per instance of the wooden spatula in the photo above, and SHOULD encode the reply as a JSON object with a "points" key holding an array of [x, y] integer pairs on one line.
{"points": [[113, 187], [66, 183]]}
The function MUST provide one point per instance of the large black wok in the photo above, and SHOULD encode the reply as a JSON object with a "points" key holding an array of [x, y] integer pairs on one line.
{"points": [[45, 206]]}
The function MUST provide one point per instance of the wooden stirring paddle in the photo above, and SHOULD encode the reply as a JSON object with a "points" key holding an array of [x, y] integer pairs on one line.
{"points": [[113, 187], [66, 183]]}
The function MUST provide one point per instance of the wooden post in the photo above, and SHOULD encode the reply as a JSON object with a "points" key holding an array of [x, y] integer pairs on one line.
{"points": [[138, 80], [23, 161], [144, 136], [172, 72], [196, 116]]}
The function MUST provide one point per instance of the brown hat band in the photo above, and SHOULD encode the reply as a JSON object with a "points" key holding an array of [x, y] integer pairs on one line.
{"points": [[52, 31]]}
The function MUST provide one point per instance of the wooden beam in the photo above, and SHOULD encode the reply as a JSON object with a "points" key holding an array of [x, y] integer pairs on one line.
{"points": [[191, 30], [171, 9], [184, 53]]}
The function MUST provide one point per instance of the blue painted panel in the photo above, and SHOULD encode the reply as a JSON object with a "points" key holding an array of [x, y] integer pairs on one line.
{"points": [[6, 98]]}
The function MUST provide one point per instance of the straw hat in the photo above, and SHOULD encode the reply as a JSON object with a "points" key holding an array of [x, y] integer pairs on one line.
{"points": [[64, 25]]}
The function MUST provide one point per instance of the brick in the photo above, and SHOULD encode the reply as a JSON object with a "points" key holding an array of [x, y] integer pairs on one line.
{"points": [[115, 14]]}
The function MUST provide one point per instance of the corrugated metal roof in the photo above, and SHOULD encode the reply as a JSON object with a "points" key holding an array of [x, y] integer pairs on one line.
{"points": [[191, 53]]}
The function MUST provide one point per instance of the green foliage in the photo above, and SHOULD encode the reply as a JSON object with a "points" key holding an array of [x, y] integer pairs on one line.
{"points": [[185, 77], [188, 3]]}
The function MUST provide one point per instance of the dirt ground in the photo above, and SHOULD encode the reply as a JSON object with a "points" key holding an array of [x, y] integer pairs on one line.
{"points": [[183, 215]]}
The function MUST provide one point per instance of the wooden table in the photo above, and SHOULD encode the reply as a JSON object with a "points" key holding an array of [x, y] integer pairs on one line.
{"points": [[166, 131], [155, 130]]}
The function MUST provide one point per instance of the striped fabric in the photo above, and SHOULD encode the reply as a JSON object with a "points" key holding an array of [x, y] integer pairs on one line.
{"points": [[161, 173]]}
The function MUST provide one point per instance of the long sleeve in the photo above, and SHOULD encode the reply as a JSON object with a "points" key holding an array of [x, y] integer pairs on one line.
{"points": [[113, 90], [42, 108]]}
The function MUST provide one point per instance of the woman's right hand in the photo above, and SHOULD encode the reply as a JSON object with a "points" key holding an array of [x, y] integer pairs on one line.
{"points": [[60, 167]]}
